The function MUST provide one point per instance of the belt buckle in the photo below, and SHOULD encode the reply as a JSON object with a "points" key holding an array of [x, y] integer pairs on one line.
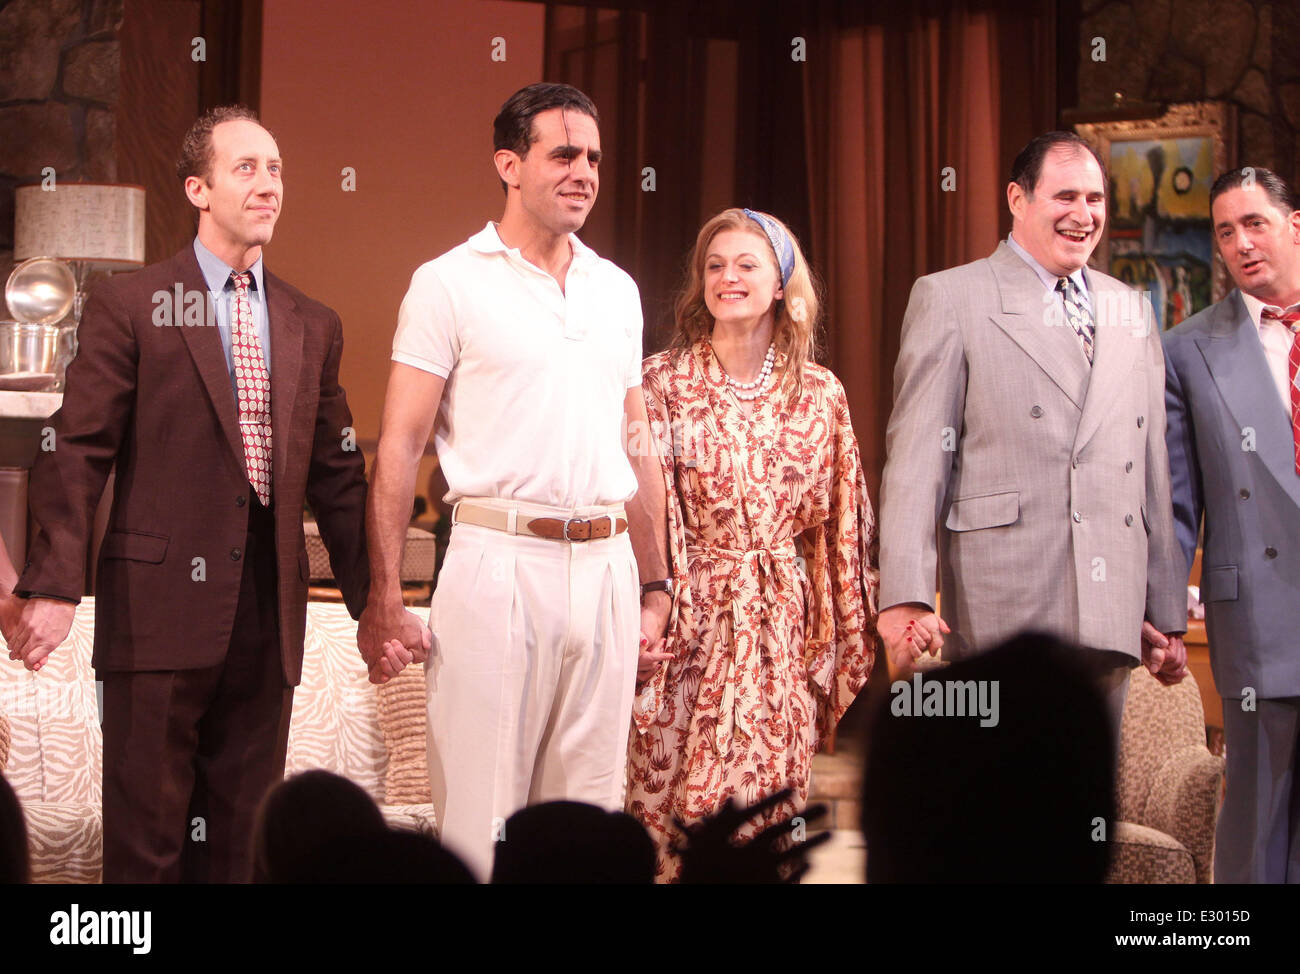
{"points": [[580, 520]]}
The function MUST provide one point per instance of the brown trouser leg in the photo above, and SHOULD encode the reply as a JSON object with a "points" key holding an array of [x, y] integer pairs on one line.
{"points": [[188, 754]]}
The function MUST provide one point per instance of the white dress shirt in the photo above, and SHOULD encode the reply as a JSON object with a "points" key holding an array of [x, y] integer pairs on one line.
{"points": [[1048, 278], [1276, 338]]}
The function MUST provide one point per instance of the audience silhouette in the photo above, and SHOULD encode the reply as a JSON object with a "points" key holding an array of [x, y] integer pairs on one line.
{"points": [[1028, 799], [14, 863], [573, 842]]}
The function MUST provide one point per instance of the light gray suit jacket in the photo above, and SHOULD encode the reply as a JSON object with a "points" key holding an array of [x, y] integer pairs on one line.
{"points": [[1232, 458], [1037, 486]]}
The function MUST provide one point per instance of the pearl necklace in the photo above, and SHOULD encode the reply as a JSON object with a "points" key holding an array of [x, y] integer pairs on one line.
{"points": [[749, 391]]}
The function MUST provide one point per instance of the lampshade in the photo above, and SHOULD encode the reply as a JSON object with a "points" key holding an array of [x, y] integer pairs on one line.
{"points": [[99, 224]]}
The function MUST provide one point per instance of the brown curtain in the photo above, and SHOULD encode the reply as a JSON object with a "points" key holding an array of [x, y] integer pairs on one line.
{"points": [[848, 146], [163, 90], [912, 122]]}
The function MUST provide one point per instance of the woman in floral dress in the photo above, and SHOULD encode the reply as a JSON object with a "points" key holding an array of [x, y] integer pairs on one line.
{"points": [[771, 617]]}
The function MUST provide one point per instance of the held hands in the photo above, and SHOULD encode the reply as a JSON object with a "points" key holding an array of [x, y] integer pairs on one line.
{"points": [[389, 638], [655, 608], [11, 610], [11, 606], [1165, 657], [394, 658], [908, 630], [35, 627]]}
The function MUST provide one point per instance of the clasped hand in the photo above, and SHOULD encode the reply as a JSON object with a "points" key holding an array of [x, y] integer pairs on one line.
{"points": [[655, 609], [1165, 657], [390, 638], [908, 631], [33, 628]]}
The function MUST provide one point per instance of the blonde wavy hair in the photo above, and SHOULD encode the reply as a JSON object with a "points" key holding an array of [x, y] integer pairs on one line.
{"points": [[797, 315]]}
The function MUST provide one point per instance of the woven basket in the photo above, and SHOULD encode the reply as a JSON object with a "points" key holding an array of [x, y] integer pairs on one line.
{"points": [[417, 561]]}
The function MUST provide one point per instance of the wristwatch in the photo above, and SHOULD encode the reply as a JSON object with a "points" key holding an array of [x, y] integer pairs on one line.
{"points": [[663, 585]]}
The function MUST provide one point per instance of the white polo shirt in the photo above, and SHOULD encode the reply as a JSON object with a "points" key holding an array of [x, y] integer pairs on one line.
{"points": [[536, 377]]}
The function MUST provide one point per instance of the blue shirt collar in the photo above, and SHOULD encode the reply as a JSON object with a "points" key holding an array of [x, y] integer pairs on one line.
{"points": [[1047, 277], [216, 272]]}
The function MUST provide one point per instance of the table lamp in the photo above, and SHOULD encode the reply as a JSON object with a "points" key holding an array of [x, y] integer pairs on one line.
{"points": [[92, 226]]}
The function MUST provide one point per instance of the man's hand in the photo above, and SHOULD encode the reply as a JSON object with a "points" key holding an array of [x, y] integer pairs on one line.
{"points": [[908, 630], [42, 626], [389, 637], [1165, 657], [655, 608]]}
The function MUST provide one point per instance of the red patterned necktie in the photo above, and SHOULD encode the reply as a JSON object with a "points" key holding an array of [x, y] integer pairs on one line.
{"points": [[1291, 318], [253, 385]]}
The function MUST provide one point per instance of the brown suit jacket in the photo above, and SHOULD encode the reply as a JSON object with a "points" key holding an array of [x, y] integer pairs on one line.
{"points": [[157, 400]]}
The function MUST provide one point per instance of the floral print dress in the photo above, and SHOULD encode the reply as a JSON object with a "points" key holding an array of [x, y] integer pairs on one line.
{"points": [[772, 539]]}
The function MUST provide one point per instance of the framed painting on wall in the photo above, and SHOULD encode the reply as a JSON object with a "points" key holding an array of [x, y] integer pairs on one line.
{"points": [[1158, 236]]}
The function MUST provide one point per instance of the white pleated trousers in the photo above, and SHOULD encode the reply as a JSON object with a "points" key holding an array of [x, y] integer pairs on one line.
{"points": [[530, 681]]}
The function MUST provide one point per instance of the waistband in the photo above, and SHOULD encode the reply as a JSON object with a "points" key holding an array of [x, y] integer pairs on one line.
{"points": [[541, 520]]}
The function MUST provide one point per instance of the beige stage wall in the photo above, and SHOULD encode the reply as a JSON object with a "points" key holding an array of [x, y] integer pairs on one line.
{"points": [[404, 94]]}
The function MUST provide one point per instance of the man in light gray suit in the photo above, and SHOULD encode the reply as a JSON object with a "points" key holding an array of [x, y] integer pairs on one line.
{"points": [[1234, 456], [1026, 453]]}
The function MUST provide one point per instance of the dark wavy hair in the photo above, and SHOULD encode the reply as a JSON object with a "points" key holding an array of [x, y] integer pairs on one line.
{"points": [[1028, 164], [513, 127], [1278, 189]]}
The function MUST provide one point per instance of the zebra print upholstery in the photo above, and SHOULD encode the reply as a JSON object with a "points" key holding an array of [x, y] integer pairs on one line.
{"points": [[56, 746]]}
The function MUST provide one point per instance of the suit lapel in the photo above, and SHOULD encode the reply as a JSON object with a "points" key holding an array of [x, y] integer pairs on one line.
{"points": [[1236, 361], [209, 356], [1028, 320], [1121, 322], [286, 367]]}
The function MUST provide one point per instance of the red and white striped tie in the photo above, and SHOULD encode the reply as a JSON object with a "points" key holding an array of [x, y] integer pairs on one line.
{"points": [[253, 385], [1291, 318]]}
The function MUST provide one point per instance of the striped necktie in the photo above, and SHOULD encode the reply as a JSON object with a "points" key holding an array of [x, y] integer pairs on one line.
{"points": [[1077, 313], [1291, 318]]}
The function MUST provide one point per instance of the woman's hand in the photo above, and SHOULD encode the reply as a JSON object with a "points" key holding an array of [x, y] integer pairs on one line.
{"points": [[652, 654], [909, 630]]}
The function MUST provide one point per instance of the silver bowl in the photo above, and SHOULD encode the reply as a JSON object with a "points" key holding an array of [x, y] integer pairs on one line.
{"points": [[41, 291], [32, 357]]}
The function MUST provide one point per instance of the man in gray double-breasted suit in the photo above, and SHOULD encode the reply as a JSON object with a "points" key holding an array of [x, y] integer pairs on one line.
{"points": [[1026, 455], [1234, 458]]}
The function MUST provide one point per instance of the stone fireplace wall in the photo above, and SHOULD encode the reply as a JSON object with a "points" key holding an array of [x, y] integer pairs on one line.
{"points": [[58, 92]]}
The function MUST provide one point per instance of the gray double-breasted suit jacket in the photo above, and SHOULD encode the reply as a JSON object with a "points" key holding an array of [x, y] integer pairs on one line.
{"points": [[1031, 486]]}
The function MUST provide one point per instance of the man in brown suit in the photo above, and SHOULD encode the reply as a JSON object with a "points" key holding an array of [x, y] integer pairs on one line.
{"points": [[213, 387]]}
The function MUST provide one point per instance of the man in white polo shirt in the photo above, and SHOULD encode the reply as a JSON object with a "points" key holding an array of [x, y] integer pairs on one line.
{"points": [[526, 347]]}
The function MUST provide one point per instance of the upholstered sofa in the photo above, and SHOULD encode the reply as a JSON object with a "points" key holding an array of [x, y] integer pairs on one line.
{"points": [[341, 723], [1168, 788]]}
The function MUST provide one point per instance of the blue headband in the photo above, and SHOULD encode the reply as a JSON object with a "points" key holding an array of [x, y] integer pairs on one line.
{"points": [[782, 246]]}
